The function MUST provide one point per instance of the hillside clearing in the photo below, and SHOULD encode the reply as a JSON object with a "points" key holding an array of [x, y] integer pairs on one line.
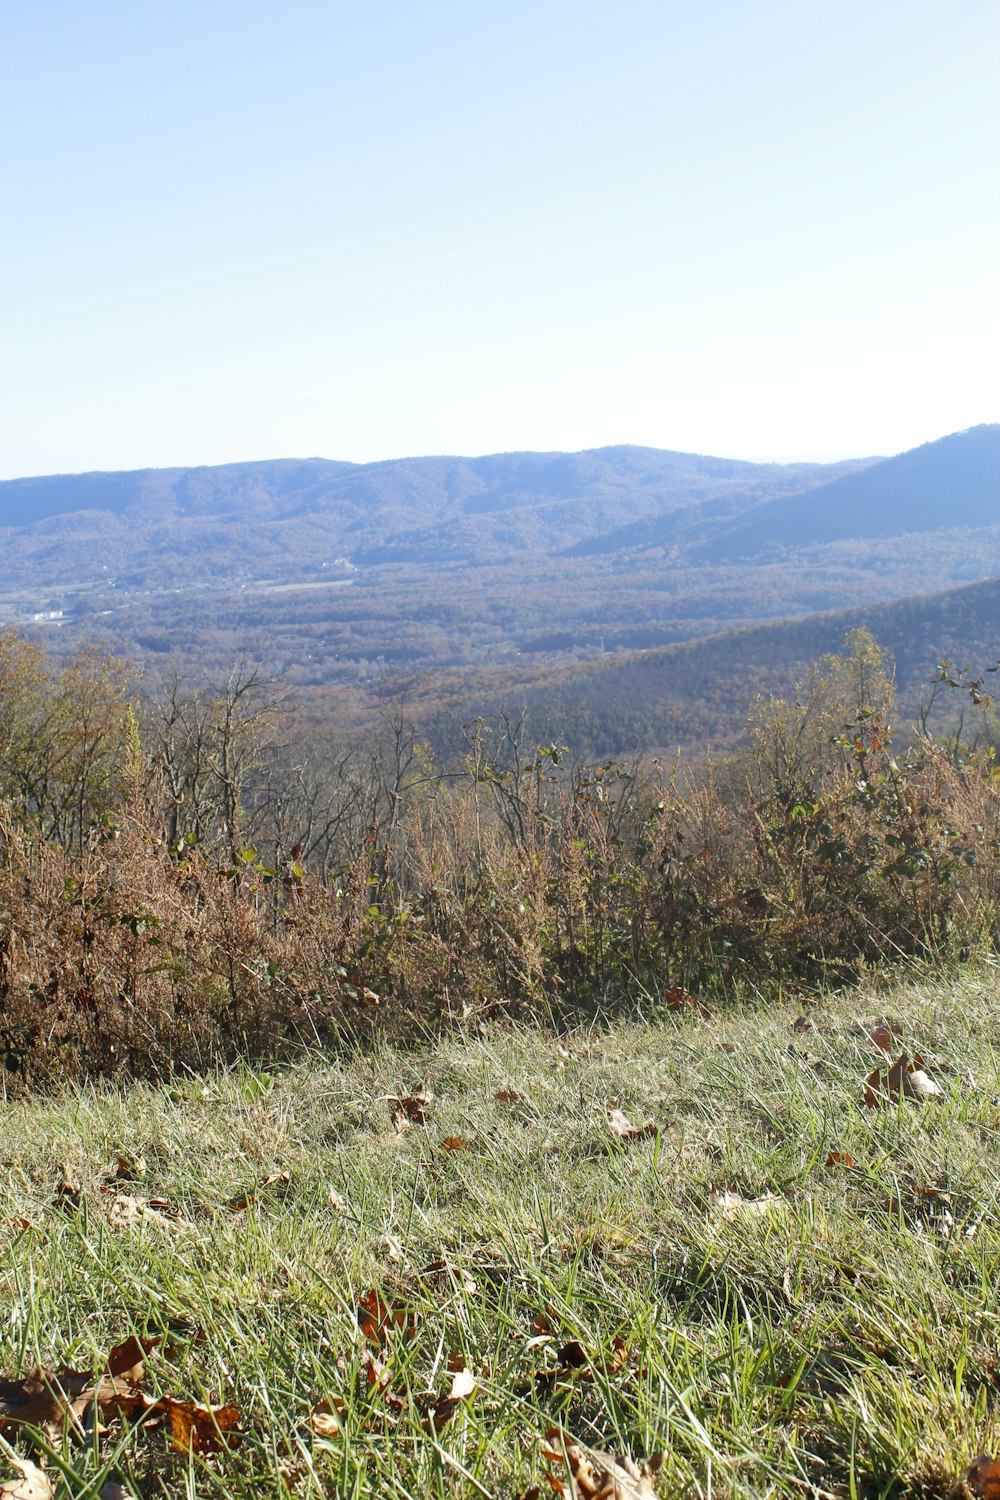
{"points": [[404, 1270]]}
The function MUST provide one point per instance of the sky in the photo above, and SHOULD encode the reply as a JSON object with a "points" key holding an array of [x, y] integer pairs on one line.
{"points": [[235, 230]]}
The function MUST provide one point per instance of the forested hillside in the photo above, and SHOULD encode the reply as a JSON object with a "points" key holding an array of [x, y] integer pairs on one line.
{"points": [[457, 583]]}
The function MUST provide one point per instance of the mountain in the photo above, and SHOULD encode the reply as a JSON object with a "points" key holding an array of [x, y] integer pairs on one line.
{"points": [[418, 509], [453, 579], [951, 483], [695, 694]]}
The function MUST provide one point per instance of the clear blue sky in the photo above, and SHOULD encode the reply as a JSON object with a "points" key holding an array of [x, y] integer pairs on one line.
{"points": [[235, 229]]}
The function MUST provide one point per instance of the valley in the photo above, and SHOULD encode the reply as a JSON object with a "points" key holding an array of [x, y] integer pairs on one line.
{"points": [[630, 597]]}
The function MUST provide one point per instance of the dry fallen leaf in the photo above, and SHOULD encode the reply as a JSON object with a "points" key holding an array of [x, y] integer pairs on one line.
{"points": [[459, 1143], [680, 1000], [195, 1428], [325, 1418], [49, 1398], [839, 1159], [574, 1361], [130, 1168], [44, 1399], [68, 1194], [34, 1483], [440, 1411], [907, 1077], [243, 1201], [378, 1320], [981, 1481], [125, 1212], [507, 1096], [730, 1202], [622, 1127], [379, 1377], [411, 1110], [599, 1476]]}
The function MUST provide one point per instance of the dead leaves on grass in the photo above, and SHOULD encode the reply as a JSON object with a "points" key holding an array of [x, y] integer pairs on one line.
{"points": [[55, 1399], [589, 1474], [907, 1077], [412, 1109], [34, 1483], [981, 1481], [622, 1129], [58, 1400], [680, 1000], [574, 1361], [379, 1320], [243, 1201]]}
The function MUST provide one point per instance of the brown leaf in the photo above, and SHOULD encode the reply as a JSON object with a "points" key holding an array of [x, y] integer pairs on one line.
{"points": [[411, 1110], [937, 1195], [619, 1354], [507, 1096], [42, 1398], [377, 1319], [599, 1476], [195, 1428], [459, 1143], [906, 1076], [47, 1398], [325, 1418], [130, 1168], [622, 1127], [336, 1201], [34, 1483], [839, 1159], [379, 1377], [884, 1038], [125, 1212], [575, 1360], [981, 1481], [126, 1361], [680, 1000], [68, 1194], [442, 1409]]}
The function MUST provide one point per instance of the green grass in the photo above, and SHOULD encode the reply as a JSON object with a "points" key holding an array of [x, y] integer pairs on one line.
{"points": [[839, 1337]]}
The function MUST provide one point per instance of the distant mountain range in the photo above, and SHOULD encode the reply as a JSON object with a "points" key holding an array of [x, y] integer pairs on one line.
{"points": [[447, 577], [421, 510]]}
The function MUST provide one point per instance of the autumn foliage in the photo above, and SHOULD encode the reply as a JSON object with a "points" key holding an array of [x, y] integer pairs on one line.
{"points": [[181, 878]]}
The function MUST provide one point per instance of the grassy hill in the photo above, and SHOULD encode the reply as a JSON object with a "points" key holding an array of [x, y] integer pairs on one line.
{"points": [[766, 1289]]}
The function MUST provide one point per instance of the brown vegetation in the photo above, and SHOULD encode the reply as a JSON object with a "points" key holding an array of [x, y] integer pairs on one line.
{"points": [[179, 883]]}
